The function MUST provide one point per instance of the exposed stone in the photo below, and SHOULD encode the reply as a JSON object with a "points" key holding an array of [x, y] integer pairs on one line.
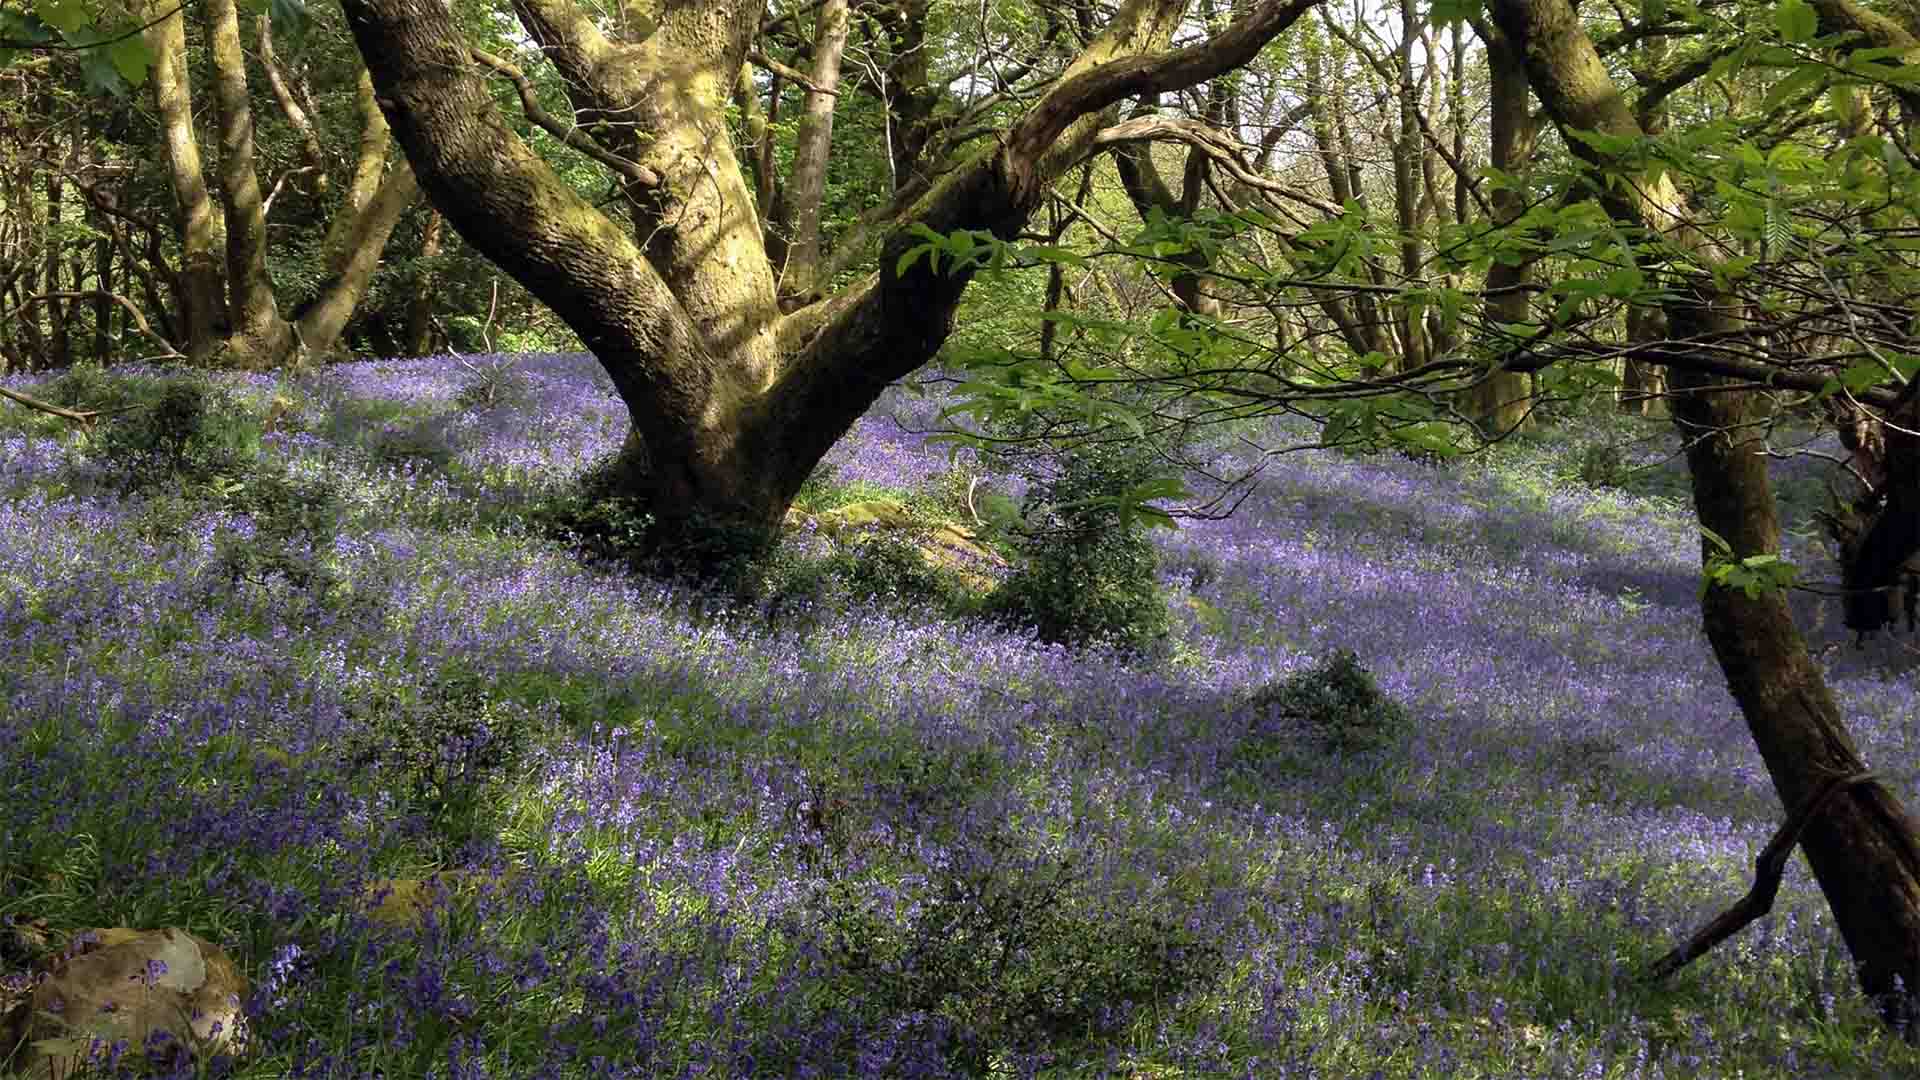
{"points": [[123, 986]]}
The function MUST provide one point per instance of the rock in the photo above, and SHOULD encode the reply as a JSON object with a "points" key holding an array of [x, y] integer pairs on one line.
{"points": [[127, 985]]}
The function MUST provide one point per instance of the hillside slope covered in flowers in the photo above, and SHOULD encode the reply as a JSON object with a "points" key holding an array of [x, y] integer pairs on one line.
{"points": [[462, 804]]}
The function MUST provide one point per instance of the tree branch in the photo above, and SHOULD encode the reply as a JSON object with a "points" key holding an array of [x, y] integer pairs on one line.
{"points": [[1767, 871], [570, 135], [1106, 84], [789, 72]]}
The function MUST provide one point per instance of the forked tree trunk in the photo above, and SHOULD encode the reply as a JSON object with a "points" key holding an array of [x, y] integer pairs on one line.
{"points": [[1862, 847], [231, 314], [733, 402]]}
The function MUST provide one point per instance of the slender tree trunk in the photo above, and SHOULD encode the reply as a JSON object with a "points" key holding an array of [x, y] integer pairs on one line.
{"points": [[351, 269], [202, 276], [1862, 847], [1407, 188], [1500, 402], [799, 279], [260, 336], [420, 305]]}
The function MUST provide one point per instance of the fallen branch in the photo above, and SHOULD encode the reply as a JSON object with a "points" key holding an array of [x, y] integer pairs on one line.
{"points": [[1767, 870], [84, 418]]}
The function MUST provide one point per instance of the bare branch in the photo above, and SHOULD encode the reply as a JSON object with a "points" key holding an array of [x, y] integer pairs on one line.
{"points": [[569, 134]]}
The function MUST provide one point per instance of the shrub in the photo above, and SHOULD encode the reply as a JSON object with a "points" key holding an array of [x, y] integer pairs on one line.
{"points": [[1335, 704], [184, 431], [1603, 465], [887, 566], [443, 743], [1086, 573], [601, 521], [1000, 960], [494, 385], [294, 523]]}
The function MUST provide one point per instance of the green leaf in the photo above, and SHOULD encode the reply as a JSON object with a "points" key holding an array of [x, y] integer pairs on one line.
{"points": [[66, 16], [130, 58], [1444, 12], [1796, 21], [1798, 81]]}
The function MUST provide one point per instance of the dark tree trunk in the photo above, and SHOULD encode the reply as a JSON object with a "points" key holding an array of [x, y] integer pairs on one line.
{"points": [[1862, 847]]}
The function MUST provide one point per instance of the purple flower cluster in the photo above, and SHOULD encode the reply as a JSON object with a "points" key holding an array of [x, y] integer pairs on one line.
{"points": [[875, 845]]}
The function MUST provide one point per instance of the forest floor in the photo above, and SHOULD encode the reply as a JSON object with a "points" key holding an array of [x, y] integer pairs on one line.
{"points": [[461, 803]]}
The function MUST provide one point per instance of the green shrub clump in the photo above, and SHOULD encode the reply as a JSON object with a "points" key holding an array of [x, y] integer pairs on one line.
{"points": [[1000, 960], [1087, 569], [174, 432], [1336, 704]]}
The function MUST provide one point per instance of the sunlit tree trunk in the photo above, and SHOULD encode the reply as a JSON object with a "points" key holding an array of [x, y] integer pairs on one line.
{"points": [[799, 279], [260, 337], [202, 274]]}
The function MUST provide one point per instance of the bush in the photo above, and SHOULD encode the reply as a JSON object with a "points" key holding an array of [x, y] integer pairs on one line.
{"points": [[294, 523], [494, 385], [443, 743], [887, 566], [1603, 465], [1335, 704], [1086, 573], [999, 960], [601, 521], [182, 431]]}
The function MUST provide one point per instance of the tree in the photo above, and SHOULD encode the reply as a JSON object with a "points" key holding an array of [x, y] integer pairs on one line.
{"points": [[231, 313], [732, 401]]}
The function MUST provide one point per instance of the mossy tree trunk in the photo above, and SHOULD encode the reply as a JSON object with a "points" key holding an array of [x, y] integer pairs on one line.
{"points": [[231, 315], [733, 402]]}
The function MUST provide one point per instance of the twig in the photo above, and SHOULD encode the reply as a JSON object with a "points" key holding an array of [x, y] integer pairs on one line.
{"points": [[1767, 870]]}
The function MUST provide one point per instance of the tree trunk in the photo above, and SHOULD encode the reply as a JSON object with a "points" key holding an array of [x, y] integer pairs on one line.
{"points": [[352, 265], [1862, 848], [419, 340], [202, 277], [1500, 402], [800, 278], [260, 336], [732, 402]]}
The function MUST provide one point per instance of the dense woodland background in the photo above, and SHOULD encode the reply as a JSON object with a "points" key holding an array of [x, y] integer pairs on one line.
{"points": [[960, 539]]}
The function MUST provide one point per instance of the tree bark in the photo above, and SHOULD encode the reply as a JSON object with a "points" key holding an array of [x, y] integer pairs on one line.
{"points": [[202, 276], [800, 278], [260, 337], [420, 305], [1501, 401], [353, 263], [732, 402], [1862, 848]]}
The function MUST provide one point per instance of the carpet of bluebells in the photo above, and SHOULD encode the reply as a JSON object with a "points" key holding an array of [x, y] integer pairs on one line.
{"points": [[877, 842]]}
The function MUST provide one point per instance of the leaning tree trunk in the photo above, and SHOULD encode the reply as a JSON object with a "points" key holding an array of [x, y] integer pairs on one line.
{"points": [[1862, 846]]}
